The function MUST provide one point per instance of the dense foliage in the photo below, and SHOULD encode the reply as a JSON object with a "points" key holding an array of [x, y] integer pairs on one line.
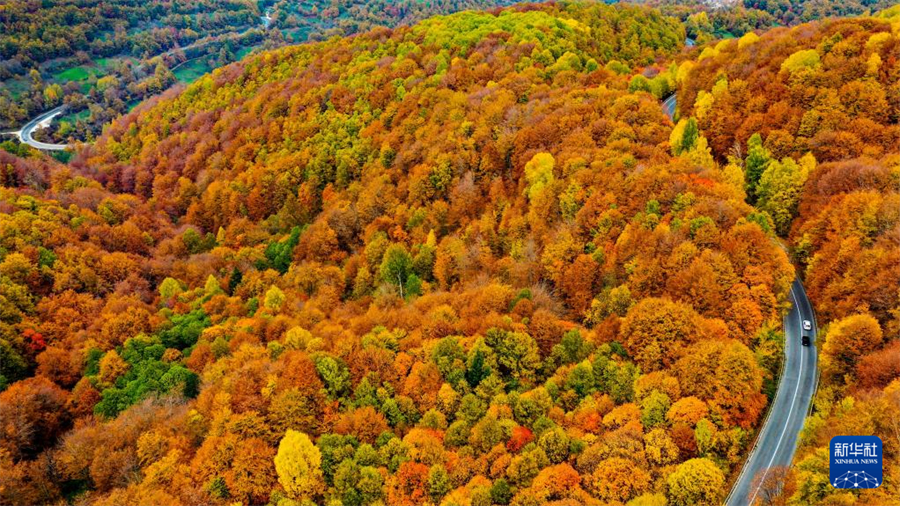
{"points": [[454, 263], [319, 20], [34, 32], [468, 261], [49, 53], [101, 58], [817, 108], [706, 20]]}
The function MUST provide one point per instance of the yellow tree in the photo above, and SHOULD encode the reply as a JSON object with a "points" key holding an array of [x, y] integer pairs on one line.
{"points": [[695, 482], [539, 175], [779, 189], [660, 448], [298, 464], [111, 367], [655, 332]]}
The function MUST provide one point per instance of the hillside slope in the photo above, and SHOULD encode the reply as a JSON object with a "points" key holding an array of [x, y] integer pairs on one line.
{"points": [[452, 263], [816, 109]]}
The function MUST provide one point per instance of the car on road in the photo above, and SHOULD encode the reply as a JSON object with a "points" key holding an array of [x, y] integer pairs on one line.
{"points": [[807, 325], [804, 340]]}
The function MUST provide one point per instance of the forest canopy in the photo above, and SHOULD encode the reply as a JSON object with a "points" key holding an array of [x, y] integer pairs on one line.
{"points": [[467, 261], [809, 120]]}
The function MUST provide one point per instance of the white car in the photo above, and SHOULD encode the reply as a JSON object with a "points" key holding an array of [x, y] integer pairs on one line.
{"points": [[807, 325]]}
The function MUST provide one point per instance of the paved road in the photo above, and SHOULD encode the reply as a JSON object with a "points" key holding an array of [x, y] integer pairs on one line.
{"points": [[25, 133], [670, 102], [777, 440], [265, 20], [669, 106]]}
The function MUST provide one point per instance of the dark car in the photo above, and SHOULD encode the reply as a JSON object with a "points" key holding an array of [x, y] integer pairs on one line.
{"points": [[804, 340]]}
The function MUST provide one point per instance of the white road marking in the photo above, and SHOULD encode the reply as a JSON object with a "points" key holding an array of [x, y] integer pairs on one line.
{"points": [[793, 401]]}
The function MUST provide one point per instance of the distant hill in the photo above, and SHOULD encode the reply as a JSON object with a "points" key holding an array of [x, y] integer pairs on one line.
{"points": [[711, 19], [102, 57]]}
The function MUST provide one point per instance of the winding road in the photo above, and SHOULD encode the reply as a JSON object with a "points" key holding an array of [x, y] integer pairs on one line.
{"points": [[266, 21], [41, 121], [777, 440], [669, 106], [25, 134]]}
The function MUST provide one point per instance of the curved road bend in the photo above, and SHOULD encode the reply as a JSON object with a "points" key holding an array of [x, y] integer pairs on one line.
{"points": [[669, 106], [778, 437], [25, 133], [266, 21]]}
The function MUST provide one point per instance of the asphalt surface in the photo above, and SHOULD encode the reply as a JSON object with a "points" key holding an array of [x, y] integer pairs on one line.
{"points": [[265, 20], [25, 133], [669, 106], [778, 437]]}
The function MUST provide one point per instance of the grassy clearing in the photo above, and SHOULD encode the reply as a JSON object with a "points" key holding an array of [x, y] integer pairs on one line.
{"points": [[106, 64], [297, 35], [73, 117], [244, 51], [79, 73], [192, 70], [16, 86]]}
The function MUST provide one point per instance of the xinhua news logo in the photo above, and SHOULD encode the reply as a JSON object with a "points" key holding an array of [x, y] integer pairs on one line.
{"points": [[855, 462]]}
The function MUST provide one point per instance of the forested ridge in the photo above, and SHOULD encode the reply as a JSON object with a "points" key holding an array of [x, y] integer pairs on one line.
{"points": [[810, 115], [469, 261], [100, 58], [709, 20]]}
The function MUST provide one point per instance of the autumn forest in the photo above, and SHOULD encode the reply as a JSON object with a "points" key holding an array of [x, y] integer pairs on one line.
{"points": [[469, 261]]}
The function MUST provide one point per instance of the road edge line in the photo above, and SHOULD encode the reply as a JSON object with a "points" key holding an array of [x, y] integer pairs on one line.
{"points": [[753, 447], [793, 400]]}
